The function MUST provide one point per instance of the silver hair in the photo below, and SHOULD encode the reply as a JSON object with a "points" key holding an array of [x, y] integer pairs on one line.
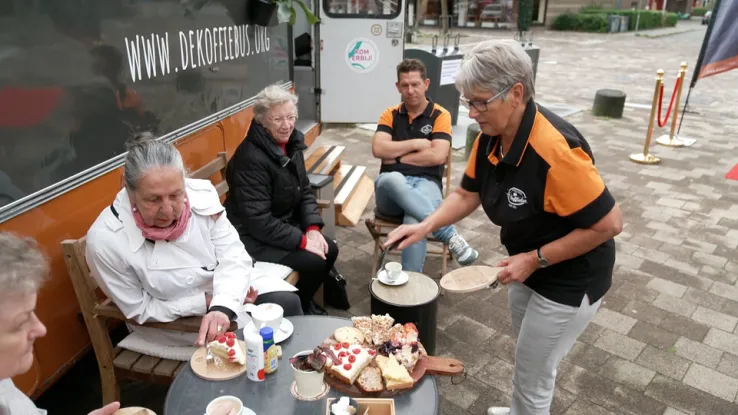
{"points": [[146, 152], [269, 97], [494, 65], [23, 266]]}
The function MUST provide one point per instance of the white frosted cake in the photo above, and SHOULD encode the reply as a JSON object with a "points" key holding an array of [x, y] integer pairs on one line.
{"points": [[354, 358], [227, 347]]}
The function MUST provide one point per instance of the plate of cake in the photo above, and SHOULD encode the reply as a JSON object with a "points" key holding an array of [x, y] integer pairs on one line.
{"points": [[377, 356], [228, 358]]}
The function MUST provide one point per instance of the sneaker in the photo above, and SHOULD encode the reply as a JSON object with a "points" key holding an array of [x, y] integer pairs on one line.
{"points": [[462, 251], [498, 410], [315, 310]]}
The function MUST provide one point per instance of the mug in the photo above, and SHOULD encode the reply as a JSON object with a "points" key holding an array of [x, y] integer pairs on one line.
{"points": [[394, 269], [267, 315], [219, 405]]}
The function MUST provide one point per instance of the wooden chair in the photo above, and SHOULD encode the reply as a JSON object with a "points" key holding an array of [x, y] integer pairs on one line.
{"points": [[100, 313], [380, 226]]}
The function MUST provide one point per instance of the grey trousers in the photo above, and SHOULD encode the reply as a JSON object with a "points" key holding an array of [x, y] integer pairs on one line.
{"points": [[546, 331]]}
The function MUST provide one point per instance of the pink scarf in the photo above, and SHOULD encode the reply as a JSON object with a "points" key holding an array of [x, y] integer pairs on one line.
{"points": [[170, 233]]}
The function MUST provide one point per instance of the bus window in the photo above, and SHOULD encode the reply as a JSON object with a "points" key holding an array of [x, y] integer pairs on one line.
{"points": [[362, 9]]}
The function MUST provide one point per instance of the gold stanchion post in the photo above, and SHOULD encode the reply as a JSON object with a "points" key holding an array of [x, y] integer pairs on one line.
{"points": [[647, 158], [671, 140]]}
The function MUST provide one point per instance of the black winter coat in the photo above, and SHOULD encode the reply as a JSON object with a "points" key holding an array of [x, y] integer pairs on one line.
{"points": [[269, 201]]}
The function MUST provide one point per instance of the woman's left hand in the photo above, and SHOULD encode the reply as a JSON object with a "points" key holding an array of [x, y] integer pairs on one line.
{"points": [[213, 324], [319, 238], [251, 296], [517, 268]]}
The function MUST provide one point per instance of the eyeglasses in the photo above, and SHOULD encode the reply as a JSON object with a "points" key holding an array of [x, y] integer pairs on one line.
{"points": [[279, 120], [481, 106]]}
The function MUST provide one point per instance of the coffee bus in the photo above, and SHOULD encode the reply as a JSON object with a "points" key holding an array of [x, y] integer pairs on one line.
{"points": [[79, 77]]}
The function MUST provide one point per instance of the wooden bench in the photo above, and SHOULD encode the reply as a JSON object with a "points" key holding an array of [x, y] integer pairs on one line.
{"points": [[99, 312], [380, 226]]}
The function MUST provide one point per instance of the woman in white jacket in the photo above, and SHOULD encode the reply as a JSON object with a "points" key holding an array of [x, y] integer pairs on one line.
{"points": [[165, 249]]}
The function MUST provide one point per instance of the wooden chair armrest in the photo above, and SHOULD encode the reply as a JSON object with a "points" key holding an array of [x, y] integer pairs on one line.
{"points": [[186, 324], [323, 204]]}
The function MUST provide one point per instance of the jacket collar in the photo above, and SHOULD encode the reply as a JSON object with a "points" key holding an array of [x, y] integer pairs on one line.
{"points": [[200, 201], [515, 154], [262, 139]]}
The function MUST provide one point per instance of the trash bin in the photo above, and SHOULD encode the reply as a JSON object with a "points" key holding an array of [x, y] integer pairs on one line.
{"points": [[624, 22], [442, 65], [613, 23]]}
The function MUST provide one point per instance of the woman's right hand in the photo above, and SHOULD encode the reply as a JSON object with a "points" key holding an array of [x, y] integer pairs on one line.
{"points": [[408, 234], [315, 247], [213, 324]]}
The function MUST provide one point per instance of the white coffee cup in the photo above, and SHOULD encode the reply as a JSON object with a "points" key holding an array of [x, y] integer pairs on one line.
{"points": [[267, 315], [394, 269], [223, 404]]}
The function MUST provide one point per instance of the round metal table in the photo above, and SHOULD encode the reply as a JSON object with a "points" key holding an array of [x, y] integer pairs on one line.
{"points": [[189, 394]]}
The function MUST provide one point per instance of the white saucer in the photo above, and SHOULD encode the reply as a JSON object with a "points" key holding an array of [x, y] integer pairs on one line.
{"points": [[402, 279], [247, 411], [285, 330]]}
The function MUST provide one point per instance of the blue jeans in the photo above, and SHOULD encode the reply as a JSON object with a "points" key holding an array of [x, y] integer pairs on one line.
{"points": [[413, 198]]}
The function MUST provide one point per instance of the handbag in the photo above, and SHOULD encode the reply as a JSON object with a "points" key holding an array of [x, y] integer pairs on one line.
{"points": [[335, 292]]}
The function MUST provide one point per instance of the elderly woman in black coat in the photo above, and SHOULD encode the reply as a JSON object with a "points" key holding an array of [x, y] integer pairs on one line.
{"points": [[270, 202]]}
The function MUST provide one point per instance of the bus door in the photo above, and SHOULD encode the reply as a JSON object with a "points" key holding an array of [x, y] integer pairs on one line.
{"points": [[361, 43]]}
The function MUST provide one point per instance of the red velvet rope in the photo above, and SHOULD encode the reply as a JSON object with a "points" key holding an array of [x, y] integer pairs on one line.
{"points": [[671, 102]]}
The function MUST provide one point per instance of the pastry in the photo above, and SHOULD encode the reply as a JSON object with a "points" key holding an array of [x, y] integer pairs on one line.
{"points": [[381, 326], [395, 375], [407, 357], [364, 325], [349, 335], [353, 359], [227, 347], [370, 380]]}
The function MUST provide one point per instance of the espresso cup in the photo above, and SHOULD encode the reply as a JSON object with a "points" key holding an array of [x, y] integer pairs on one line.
{"points": [[223, 405], [394, 269], [267, 315]]}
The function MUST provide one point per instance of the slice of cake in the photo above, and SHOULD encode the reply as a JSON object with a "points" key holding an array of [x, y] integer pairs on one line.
{"points": [[381, 326], [364, 325], [407, 357], [370, 380], [353, 359], [227, 347], [395, 375]]}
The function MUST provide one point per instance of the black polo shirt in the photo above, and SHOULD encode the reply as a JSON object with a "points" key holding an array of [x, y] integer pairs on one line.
{"points": [[544, 187], [433, 124]]}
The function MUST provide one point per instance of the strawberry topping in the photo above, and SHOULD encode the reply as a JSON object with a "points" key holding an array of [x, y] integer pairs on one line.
{"points": [[352, 359], [230, 342], [356, 351], [230, 335], [371, 352], [347, 366], [337, 346], [221, 339], [231, 352], [345, 345]]}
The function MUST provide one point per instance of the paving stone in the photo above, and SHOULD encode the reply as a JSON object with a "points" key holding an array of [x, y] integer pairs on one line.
{"points": [[712, 382], [473, 358], [447, 316], [685, 326], [628, 401], [730, 308], [709, 259], [667, 287], [470, 331], [581, 407], [447, 407], [704, 299], [614, 321], [638, 292], [627, 373], [664, 362], [562, 400], [491, 397], [501, 346], [724, 290], [461, 395], [645, 242], [721, 340], [619, 345], [644, 312], [715, 319], [687, 398], [591, 333], [653, 335], [675, 275], [729, 365], [588, 357], [672, 411], [498, 374], [674, 305], [581, 382], [698, 352], [652, 255]]}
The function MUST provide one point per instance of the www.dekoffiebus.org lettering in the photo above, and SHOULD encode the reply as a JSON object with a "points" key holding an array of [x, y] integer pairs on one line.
{"points": [[196, 48]]}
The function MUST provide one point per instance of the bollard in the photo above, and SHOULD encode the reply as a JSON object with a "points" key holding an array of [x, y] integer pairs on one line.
{"points": [[672, 140], [647, 158]]}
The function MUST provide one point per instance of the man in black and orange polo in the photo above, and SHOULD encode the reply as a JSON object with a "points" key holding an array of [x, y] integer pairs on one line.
{"points": [[413, 140]]}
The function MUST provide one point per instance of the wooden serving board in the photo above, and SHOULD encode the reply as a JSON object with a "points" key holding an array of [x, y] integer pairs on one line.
{"points": [[470, 279], [216, 372], [427, 365]]}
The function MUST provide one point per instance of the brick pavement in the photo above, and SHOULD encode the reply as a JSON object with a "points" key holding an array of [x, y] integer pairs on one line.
{"points": [[666, 339]]}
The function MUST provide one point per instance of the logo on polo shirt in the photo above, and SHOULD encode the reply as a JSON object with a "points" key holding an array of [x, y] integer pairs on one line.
{"points": [[516, 197], [426, 129]]}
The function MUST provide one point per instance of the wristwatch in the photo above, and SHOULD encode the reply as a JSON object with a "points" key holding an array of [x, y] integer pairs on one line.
{"points": [[397, 159], [542, 262]]}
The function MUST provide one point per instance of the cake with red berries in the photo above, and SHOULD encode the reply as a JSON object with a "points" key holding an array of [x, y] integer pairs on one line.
{"points": [[228, 347], [353, 358]]}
